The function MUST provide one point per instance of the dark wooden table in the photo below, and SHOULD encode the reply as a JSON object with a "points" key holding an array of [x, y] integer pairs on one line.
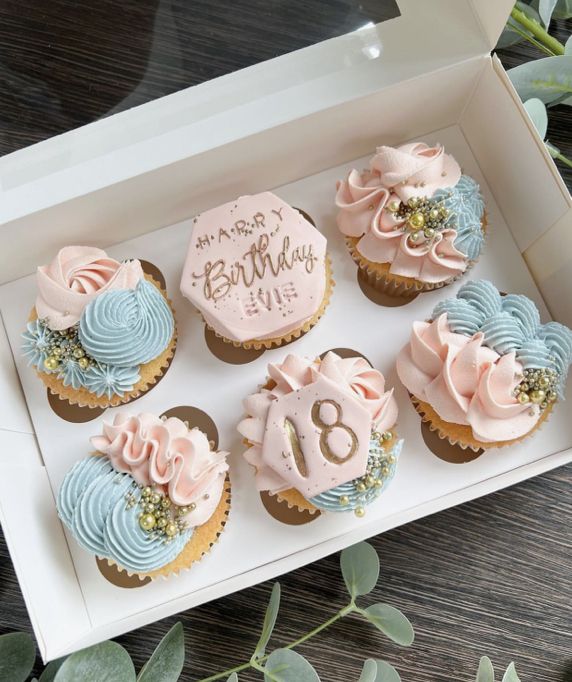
{"points": [[490, 577]]}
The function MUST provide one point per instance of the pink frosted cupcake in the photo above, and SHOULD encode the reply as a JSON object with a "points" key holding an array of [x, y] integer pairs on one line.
{"points": [[484, 372], [413, 222], [321, 434]]}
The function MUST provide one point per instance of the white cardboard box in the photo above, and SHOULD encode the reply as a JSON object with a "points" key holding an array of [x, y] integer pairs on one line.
{"points": [[296, 124]]}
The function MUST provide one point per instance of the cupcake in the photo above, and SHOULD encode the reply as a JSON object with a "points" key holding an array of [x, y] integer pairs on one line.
{"points": [[413, 222], [102, 332], [152, 499], [321, 435], [257, 270], [483, 372]]}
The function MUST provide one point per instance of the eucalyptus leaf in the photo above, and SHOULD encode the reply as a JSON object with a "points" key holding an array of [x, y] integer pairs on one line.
{"points": [[510, 674], [563, 9], [17, 656], [391, 622], [568, 46], [547, 79], [536, 109], [360, 568], [553, 151], [369, 671], [545, 9], [166, 663], [269, 620], [386, 672], [486, 672], [285, 665], [233, 678], [51, 669], [105, 662]]}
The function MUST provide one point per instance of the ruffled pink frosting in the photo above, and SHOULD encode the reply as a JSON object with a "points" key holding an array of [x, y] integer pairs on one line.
{"points": [[397, 174], [354, 375], [465, 382], [75, 277], [168, 456]]}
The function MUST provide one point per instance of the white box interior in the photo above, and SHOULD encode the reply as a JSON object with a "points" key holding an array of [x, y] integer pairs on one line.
{"points": [[453, 104]]}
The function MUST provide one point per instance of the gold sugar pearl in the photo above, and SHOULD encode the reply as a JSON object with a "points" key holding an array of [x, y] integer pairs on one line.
{"points": [[147, 522], [171, 529], [538, 396], [417, 221], [523, 398], [393, 206], [344, 500], [359, 512], [360, 487], [51, 362], [155, 498], [83, 363]]}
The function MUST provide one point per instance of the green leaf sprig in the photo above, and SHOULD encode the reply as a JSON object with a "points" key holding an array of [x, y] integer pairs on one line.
{"points": [[544, 82]]}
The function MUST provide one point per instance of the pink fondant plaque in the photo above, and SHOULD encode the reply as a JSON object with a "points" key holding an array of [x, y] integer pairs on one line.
{"points": [[317, 437], [255, 268]]}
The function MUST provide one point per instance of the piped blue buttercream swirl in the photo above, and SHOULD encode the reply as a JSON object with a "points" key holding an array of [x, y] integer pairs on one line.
{"points": [[36, 343], [509, 323], [330, 499], [76, 481], [466, 207], [133, 548], [127, 327], [93, 503]]}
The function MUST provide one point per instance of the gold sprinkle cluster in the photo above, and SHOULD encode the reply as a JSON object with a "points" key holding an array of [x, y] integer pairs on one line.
{"points": [[376, 472], [423, 217], [159, 516], [538, 387], [65, 345]]}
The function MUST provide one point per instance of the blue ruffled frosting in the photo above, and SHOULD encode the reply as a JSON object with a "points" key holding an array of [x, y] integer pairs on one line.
{"points": [[330, 499], [127, 327], [509, 323], [93, 504], [466, 207]]}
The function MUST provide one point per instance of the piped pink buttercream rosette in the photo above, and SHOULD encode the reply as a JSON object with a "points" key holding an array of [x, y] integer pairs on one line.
{"points": [[396, 175], [465, 382], [74, 278], [353, 375], [168, 456]]}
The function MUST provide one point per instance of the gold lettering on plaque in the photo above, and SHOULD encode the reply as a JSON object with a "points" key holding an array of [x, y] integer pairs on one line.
{"points": [[325, 430]]}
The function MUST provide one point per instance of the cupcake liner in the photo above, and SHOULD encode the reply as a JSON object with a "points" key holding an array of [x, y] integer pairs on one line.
{"points": [[379, 276], [201, 542], [461, 434], [274, 342], [150, 373]]}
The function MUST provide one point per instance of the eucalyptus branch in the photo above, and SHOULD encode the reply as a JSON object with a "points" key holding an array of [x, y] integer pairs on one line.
{"points": [[531, 40], [552, 46], [256, 663]]}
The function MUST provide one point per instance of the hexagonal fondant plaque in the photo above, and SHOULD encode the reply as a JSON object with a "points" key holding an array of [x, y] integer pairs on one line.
{"points": [[255, 268], [317, 437]]}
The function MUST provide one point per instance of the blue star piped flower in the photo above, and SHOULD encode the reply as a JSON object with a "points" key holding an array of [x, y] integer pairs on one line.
{"points": [[37, 340], [110, 380]]}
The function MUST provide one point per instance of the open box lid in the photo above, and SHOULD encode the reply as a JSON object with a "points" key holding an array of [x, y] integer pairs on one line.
{"points": [[428, 35]]}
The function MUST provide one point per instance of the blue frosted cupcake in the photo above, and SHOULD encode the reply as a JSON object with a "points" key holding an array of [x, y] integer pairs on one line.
{"points": [[102, 332], [152, 499]]}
